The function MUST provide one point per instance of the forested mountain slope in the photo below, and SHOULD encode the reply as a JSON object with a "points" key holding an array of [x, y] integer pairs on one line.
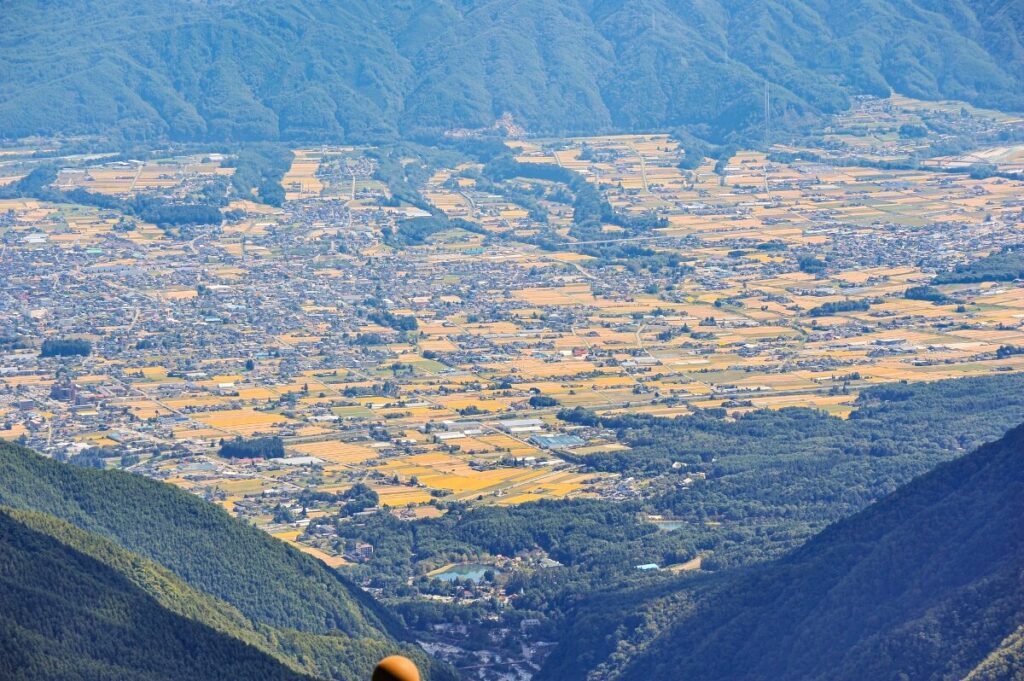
{"points": [[366, 70], [925, 584], [311, 612], [77, 607]]}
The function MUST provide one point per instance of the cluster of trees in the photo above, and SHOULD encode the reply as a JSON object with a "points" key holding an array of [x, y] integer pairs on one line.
{"points": [[929, 293], [355, 499], [65, 347], [15, 342], [259, 169], [526, 196], [695, 151], [1004, 265], [1004, 351], [389, 319], [591, 539], [590, 208], [163, 213], [358, 498], [370, 338], [416, 231], [252, 448], [402, 177], [810, 264], [981, 171], [590, 211], [829, 309], [913, 131]]}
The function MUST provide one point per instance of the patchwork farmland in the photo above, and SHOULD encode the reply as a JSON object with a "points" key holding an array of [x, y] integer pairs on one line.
{"points": [[429, 367]]}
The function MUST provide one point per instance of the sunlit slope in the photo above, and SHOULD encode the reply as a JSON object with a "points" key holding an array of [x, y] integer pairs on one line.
{"points": [[77, 607], [315, 615]]}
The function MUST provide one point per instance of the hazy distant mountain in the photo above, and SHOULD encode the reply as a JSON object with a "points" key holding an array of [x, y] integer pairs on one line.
{"points": [[370, 69], [926, 584], [248, 585]]}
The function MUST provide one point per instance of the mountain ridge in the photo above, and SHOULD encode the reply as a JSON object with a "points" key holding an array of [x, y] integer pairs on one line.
{"points": [[923, 584], [364, 71]]}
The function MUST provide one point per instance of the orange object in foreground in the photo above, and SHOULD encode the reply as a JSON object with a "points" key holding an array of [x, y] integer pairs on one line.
{"points": [[396, 668]]}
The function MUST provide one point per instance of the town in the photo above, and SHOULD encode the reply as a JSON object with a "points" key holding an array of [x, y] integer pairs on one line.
{"points": [[301, 365]]}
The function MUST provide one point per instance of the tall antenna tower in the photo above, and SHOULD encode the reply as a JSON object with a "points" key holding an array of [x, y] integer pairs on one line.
{"points": [[767, 114]]}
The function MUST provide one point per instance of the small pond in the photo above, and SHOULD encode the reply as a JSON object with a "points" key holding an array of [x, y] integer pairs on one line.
{"points": [[472, 571]]}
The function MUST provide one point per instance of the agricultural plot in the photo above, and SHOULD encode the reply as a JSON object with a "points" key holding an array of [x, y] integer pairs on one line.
{"points": [[171, 176]]}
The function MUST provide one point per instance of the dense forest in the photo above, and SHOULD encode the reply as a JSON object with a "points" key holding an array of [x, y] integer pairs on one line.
{"points": [[77, 607], [367, 71], [924, 584], [307, 612]]}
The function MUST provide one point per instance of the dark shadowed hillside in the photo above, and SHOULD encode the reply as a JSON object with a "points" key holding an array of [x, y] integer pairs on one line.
{"points": [[240, 70], [925, 584]]}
